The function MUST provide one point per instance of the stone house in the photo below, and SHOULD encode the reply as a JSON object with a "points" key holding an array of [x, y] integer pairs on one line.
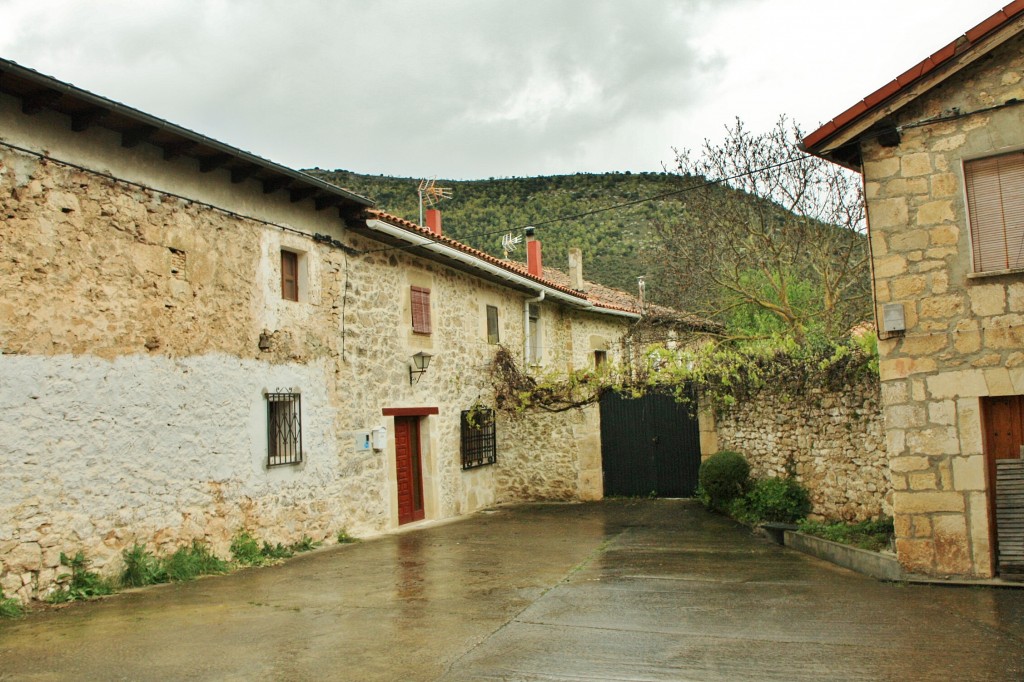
{"points": [[195, 340], [941, 150]]}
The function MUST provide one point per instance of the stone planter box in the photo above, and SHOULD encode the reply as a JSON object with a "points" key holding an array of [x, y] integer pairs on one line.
{"points": [[874, 564]]}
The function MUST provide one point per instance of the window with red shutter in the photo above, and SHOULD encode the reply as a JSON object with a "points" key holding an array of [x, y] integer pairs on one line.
{"points": [[995, 205], [420, 299]]}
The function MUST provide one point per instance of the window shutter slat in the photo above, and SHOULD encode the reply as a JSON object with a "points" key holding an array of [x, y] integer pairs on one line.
{"points": [[995, 204], [420, 304]]}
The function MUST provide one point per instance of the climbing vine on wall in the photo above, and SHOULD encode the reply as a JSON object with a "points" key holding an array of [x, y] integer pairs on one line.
{"points": [[721, 374]]}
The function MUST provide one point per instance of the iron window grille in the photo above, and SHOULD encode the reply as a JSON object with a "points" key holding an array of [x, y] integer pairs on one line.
{"points": [[479, 441], [284, 429]]}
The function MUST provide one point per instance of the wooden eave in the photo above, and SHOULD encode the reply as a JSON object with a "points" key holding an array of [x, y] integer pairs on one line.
{"points": [[85, 110], [837, 139]]}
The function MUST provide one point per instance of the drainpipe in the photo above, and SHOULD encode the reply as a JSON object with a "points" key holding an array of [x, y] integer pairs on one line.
{"points": [[526, 327]]}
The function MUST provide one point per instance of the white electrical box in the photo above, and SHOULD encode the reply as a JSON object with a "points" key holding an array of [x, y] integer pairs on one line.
{"points": [[362, 441], [892, 318], [379, 438]]}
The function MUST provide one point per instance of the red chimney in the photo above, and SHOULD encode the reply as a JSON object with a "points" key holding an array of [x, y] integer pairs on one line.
{"points": [[434, 220], [533, 260]]}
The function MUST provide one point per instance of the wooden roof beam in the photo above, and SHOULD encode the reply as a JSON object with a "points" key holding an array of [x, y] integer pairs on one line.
{"points": [[273, 184], [212, 163], [133, 137], [35, 102], [298, 195], [176, 149], [84, 120], [243, 173], [327, 201]]}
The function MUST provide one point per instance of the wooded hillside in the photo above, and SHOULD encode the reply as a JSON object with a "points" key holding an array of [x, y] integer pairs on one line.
{"points": [[481, 211]]}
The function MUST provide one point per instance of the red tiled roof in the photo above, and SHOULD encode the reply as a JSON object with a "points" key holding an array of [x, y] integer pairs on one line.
{"points": [[914, 74], [511, 266]]}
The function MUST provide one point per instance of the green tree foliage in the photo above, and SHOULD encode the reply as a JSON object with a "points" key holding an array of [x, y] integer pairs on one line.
{"points": [[723, 477], [772, 241]]}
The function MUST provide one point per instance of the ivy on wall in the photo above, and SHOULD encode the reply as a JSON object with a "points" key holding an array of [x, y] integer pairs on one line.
{"points": [[722, 374]]}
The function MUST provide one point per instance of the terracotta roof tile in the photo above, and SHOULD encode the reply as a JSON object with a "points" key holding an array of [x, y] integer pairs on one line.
{"points": [[914, 73]]}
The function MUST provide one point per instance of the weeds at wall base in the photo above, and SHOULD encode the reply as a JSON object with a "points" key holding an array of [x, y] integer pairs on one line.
{"points": [[10, 607]]}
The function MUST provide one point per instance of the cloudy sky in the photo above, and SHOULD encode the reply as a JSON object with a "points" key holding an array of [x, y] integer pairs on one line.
{"points": [[465, 89]]}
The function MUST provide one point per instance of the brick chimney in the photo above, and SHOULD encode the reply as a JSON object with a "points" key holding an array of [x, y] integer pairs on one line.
{"points": [[576, 269], [533, 260], [433, 217]]}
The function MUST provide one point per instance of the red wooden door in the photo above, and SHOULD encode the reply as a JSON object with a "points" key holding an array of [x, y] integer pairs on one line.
{"points": [[408, 469], [1003, 418], [1004, 427]]}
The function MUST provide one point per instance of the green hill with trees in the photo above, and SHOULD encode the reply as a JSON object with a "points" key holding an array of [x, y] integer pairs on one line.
{"points": [[481, 211], [751, 231]]}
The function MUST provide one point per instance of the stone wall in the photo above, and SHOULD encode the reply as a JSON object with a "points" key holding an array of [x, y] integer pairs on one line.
{"points": [[132, 378], [832, 442], [964, 336]]}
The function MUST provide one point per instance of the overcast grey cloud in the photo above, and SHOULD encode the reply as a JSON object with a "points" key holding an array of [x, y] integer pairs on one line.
{"points": [[477, 88]]}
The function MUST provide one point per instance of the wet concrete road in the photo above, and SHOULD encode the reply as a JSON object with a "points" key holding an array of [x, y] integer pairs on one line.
{"points": [[619, 590]]}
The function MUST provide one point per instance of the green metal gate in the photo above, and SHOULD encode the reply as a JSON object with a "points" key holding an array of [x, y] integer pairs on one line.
{"points": [[649, 446]]}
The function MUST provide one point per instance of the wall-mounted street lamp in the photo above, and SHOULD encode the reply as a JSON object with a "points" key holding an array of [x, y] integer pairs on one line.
{"points": [[420, 363]]}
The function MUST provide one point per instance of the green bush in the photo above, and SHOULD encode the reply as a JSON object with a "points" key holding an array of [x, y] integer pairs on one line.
{"points": [[192, 561], [871, 535], [245, 550], [81, 583], [778, 500], [141, 567], [344, 538], [10, 608], [723, 477]]}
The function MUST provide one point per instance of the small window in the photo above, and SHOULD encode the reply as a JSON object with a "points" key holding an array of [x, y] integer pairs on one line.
{"points": [[289, 276], [479, 442], [600, 358], [420, 299], [995, 204], [492, 324], [284, 429]]}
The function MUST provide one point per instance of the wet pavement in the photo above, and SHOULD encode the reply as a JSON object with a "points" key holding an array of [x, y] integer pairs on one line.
{"points": [[617, 590]]}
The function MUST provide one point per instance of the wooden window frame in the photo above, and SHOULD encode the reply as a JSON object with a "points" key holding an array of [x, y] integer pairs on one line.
{"points": [[419, 302], [289, 275], [994, 187], [493, 333]]}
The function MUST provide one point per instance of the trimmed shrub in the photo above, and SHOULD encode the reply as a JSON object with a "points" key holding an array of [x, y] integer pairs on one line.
{"points": [[723, 477], [779, 500]]}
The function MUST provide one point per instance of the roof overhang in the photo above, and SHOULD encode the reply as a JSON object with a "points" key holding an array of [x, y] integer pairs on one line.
{"points": [[838, 140], [85, 110], [457, 255]]}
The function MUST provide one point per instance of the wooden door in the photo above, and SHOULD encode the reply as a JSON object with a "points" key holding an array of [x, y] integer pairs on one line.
{"points": [[1003, 437], [408, 468]]}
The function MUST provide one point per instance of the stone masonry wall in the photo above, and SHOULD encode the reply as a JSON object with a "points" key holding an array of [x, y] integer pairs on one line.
{"points": [[964, 336], [832, 442], [131, 378]]}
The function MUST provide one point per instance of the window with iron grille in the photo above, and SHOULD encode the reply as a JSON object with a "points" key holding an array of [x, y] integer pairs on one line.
{"points": [[479, 443], [995, 204], [420, 303], [284, 428]]}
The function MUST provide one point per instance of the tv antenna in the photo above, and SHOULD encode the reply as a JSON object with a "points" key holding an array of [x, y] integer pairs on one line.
{"points": [[430, 193], [509, 243]]}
